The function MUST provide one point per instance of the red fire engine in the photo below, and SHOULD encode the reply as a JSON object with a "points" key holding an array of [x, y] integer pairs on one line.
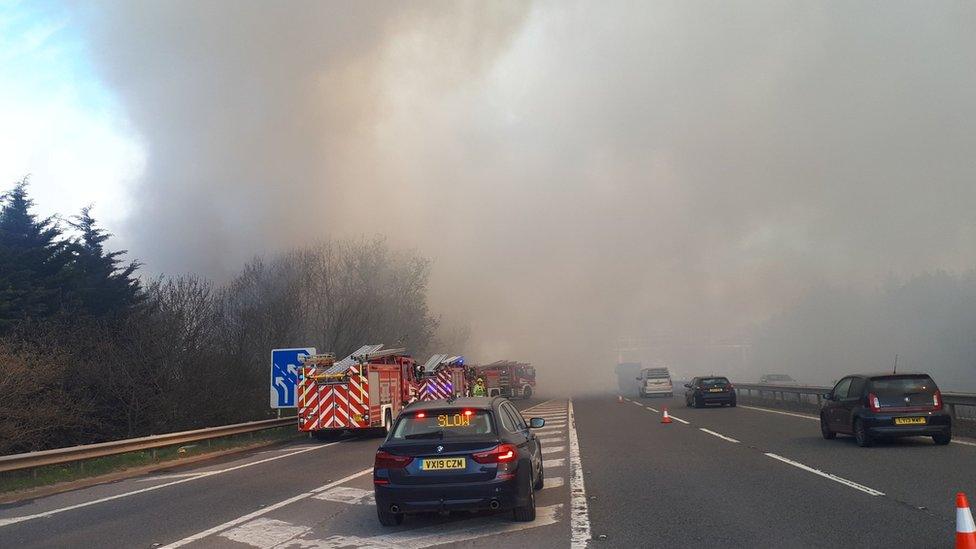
{"points": [[367, 389], [508, 378]]}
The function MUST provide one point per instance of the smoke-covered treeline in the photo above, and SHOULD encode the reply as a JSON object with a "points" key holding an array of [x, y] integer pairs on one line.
{"points": [[175, 352], [929, 322]]}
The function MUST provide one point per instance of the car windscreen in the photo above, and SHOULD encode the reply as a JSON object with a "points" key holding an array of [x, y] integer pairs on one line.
{"points": [[657, 375], [713, 382], [438, 424], [897, 391]]}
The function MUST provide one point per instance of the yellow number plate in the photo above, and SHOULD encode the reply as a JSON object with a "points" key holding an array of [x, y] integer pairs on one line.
{"points": [[716, 390], [442, 464], [910, 421]]}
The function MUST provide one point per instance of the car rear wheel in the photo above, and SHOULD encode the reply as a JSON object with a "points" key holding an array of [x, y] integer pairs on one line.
{"points": [[943, 439], [526, 513], [327, 434], [732, 403], [540, 480], [861, 434], [825, 429], [527, 392], [387, 518], [699, 402]]}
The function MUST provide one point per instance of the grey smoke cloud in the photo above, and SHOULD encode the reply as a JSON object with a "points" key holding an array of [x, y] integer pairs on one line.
{"points": [[578, 171]]}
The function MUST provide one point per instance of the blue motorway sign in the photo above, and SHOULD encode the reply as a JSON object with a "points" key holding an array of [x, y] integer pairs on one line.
{"points": [[285, 369]]}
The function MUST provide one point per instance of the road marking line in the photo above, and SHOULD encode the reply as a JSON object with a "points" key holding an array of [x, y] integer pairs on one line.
{"points": [[167, 477], [804, 416], [347, 494], [678, 419], [265, 510], [964, 442], [429, 536], [553, 482], [635, 402], [539, 405], [14, 520], [579, 515], [265, 533], [553, 449], [835, 478], [556, 462], [719, 435], [547, 440], [656, 411]]}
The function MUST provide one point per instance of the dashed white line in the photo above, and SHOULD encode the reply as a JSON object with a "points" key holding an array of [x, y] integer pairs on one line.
{"points": [[678, 419], [655, 410], [206, 474], [552, 449], [579, 515], [635, 402], [719, 435], [835, 478], [964, 442], [555, 462]]}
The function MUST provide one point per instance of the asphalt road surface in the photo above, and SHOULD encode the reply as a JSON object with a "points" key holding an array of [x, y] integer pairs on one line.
{"points": [[615, 477]]}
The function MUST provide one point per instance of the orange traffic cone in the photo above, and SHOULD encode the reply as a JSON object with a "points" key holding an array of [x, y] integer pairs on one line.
{"points": [[665, 418], [965, 528]]}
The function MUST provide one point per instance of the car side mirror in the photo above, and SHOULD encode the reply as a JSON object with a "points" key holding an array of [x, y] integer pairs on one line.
{"points": [[537, 423], [688, 385], [827, 396]]}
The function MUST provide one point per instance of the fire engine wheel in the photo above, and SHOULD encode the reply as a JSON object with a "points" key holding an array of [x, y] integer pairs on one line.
{"points": [[527, 392], [327, 434]]}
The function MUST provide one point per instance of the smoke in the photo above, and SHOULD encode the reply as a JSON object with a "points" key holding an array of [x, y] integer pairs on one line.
{"points": [[673, 170]]}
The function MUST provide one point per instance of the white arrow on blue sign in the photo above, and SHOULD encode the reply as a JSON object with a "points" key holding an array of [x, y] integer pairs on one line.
{"points": [[285, 369]]}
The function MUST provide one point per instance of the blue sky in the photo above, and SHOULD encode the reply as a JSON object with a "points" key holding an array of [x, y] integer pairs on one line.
{"points": [[59, 124]]}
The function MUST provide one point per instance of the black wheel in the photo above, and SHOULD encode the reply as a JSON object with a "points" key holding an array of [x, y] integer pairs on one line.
{"points": [[732, 403], [943, 439], [540, 480], [825, 429], [389, 519], [861, 434], [526, 513], [527, 392], [687, 402], [699, 402]]}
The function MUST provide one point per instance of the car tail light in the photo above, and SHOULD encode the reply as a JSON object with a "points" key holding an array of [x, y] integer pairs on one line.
{"points": [[874, 403], [937, 399], [386, 460], [503, 453], [730, 386]]}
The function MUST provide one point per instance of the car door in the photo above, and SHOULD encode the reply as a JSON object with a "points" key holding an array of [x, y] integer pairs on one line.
{"points": [[527, 440], [835, 404], [690, 389], [847, 406]]}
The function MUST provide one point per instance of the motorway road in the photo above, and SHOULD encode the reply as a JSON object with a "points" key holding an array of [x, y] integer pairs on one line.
{"points": [[718, 477]]}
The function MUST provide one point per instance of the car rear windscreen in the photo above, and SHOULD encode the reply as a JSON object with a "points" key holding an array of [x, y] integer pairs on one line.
{"points": [[898, 391], [714, 382], [437, 424], [657, 375]]}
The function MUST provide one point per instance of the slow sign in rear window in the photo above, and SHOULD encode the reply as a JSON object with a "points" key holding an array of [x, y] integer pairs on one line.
{"points": [[443, 424]]}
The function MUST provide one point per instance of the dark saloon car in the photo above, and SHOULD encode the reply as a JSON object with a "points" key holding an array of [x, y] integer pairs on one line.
{"points": [[872, 406], [706, 390], [466, 454]]}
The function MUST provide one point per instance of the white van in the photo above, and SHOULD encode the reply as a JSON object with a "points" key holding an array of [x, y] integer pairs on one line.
{"points": [[655, 382]]}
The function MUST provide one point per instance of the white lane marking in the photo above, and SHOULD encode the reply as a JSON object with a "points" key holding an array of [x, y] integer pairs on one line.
{"points": [[656, 411], [721, 436], [553, 482], [964, 442], [347, 494], [539, 405], [14, 520], [835, 478], [560, 415], [552, 449], [549, 429], [780, 412], [579, 515], [428, 536], [167, 477], [547, 440], [636, 403], [678, 419], [265, 510], [265, 533], [557, 462]]}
